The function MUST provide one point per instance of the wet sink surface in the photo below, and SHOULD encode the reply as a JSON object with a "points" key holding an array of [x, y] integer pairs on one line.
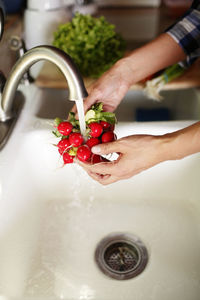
{"points": [[53, 217]]}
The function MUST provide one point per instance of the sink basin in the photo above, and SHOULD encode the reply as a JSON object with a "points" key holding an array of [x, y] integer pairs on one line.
{"points": [[176, 104], [52, 218]]}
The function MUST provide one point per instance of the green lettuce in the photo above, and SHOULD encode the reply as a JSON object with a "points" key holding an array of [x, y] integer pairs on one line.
{"points": [[91, 42]]}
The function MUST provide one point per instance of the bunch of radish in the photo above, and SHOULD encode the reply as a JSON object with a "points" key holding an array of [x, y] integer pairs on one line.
{"points": [[99, 129]]}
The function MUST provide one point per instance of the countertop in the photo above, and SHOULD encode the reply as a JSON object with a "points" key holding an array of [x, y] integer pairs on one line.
{"points": [[137, 25]]}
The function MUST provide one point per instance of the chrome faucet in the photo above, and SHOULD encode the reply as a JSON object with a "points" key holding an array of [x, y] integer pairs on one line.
{"points": [[8, 87], [63, 61]]}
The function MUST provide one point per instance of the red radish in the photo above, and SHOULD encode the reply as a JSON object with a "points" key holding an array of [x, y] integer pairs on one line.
{"points": [[95, 159], [95, 129], [107, 137], [106, 126], [63, 145], [72, 144], [112, 127], [84, 153], [76, 139], [92, 142], [68, 159], [65, 128]]}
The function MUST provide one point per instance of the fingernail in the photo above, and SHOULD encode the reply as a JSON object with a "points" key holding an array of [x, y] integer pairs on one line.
{"points": [[96, 149]]}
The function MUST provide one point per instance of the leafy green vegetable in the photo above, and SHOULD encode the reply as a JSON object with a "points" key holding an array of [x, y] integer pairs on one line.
{"points": [[96, 114], [73, 151], [92, 43], [154, 86], [57, 121], [73, 120], [57, 133]]}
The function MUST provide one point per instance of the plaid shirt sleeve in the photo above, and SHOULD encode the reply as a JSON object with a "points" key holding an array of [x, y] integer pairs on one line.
{"points": [[186, 32]]}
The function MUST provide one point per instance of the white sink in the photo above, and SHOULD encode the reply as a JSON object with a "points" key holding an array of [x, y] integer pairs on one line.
{"points": [[53, 217]]}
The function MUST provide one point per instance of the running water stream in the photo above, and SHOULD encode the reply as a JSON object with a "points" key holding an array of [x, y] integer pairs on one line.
{"points": [[81, 117]]}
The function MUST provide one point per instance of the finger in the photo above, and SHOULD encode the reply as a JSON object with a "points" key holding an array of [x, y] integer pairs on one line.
{"points": [[108, 108], [103, 168], [107, 179], [91, 99], [96, 176], [103, 179], [90, 88], [82, 164], [74, 109], [107, 148], [87, 103], [86, 106]]}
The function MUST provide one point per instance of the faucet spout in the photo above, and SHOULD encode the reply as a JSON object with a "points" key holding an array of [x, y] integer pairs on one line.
{"points": [[63, 61]]}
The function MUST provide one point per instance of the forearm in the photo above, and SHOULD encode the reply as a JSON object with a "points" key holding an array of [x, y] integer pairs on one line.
{"points": [[180, 43], [181, 143], [152, 57]]}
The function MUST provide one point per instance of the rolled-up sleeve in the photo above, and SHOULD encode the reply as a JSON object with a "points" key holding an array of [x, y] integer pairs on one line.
{"points": [[186, 32]]}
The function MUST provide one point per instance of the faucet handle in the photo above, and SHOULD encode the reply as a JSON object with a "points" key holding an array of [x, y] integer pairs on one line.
{"points": [[17, 45]]}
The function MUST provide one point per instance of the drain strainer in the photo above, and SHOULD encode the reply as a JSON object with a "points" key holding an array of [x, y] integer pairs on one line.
{"points": [[121, 256]]}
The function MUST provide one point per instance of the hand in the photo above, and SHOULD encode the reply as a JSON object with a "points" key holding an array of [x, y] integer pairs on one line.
{"points": [[136, 154], [110, 88], [140, 152]]}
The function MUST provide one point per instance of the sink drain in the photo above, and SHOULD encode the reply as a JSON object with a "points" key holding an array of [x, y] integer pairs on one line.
{"points": [[121, 256]]}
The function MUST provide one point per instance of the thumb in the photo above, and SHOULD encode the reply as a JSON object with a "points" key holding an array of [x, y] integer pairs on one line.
{"points": [[106, 148], [93, 96]]}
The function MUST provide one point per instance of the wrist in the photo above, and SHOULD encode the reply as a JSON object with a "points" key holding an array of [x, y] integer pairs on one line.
{"points": [[123, 66], [176, 145], [168, 147], [133, 68], [183, 142]]}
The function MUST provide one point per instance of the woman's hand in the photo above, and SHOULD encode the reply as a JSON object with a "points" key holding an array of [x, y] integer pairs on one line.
{"points": [[136, 154], [110, 88], [140, 152]]}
